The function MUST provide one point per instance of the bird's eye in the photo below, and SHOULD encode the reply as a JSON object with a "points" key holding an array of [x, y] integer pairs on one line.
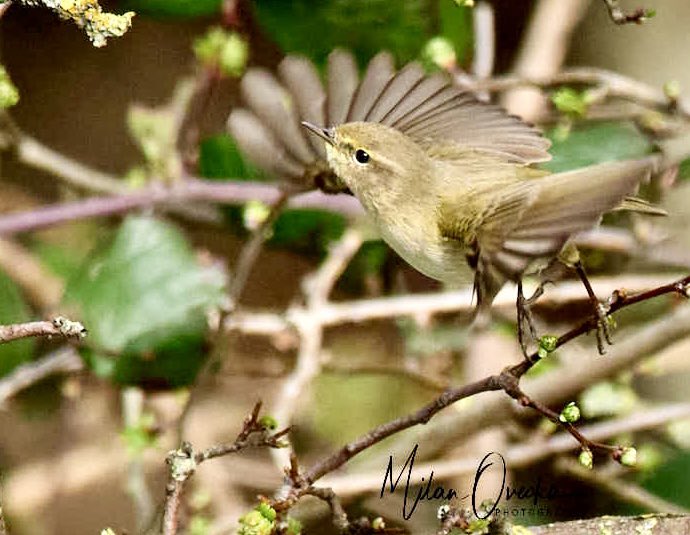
{"points": [[361, 156]]}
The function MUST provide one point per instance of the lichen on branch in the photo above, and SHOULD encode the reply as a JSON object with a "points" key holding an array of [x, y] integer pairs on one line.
{"points": [[99, 25]]}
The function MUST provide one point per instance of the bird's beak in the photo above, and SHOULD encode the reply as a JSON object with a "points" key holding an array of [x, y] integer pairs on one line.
{"points": [[324, 133]]}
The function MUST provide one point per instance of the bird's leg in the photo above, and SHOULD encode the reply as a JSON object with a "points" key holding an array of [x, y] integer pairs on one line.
{"points": [[524, 315], [603, 330]]}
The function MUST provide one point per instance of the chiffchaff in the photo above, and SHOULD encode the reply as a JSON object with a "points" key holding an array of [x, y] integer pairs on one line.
{"points": [[449, 180]]}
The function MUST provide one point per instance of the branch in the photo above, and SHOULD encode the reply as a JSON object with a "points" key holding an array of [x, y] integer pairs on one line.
{"points": [[508, 381], [618, 16], [57, 327], [544, 47], [356, 311], [520, 455], [98, 25], [660, 524], [65, 360], [316, 289], [183, 462], [3, 527], [612, 83], [43, 288], [226, 192]]}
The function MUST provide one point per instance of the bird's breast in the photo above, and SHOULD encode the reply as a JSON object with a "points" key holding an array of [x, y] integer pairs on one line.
{"points": [[422, 246]]}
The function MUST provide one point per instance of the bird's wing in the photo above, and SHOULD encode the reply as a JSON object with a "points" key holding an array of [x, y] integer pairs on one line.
{"points": [[304, 86], [342, 83], [532, 220], [428, 108]]}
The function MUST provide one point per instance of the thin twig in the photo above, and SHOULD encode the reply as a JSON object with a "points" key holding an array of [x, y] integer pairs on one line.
{"points": [[251, 250], [623, 490], [306, 321], [183, 461], [415, 376], [508, 381], [137, 487], [543, 49], [612, 83], [43, 288], [618, 16], [57, 327], [357, 311], [247, 258], [64, 360], [518, 456]]}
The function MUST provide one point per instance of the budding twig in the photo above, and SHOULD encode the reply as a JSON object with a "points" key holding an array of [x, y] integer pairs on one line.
{"points": [[255, 432], [508, 381]]}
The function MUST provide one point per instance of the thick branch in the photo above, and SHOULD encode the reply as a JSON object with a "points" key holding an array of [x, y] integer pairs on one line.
{"points": [[226, 192]]}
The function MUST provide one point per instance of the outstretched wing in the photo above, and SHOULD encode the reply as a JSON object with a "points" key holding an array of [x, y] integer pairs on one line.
{"points": [[533, 219], [428, 108]]}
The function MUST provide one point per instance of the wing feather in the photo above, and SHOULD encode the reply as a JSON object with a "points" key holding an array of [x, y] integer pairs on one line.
{"points": [[342, 84]]}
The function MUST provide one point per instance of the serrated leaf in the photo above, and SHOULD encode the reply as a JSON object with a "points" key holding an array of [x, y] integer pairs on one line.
{"points": [[145, 298], [13, 309], [590, 144]]}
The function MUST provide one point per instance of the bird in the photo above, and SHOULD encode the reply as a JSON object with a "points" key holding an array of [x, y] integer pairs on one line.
{"points": [[450, 181]]}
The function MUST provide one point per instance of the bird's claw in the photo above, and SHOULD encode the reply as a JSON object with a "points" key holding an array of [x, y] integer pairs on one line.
{"points": [[603, 328], [525, 320]]}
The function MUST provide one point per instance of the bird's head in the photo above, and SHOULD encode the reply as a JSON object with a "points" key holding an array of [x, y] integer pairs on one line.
{"points": [[374, 160]]}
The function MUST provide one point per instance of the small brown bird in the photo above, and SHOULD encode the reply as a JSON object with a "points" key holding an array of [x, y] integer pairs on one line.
{"points": [[447, 179]]}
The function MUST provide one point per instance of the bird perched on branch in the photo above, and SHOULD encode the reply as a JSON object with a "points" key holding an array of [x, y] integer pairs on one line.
{"points": [[448, 180]]}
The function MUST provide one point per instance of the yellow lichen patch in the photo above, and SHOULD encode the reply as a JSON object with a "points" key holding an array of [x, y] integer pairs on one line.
{"points": [[88, 14]]}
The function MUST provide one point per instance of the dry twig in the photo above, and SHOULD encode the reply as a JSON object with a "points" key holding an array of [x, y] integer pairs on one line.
{"points": [[57, 327]]}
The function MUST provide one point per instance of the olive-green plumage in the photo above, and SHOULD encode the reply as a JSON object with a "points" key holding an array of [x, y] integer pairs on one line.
{"points": [[449, 180], [442, 205]]}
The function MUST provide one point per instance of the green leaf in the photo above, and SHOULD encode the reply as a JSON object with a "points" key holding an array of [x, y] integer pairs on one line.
{"points": [[173, 8], [219, 158], [9, 94], [307, 230], [226, 50], [589, 144], [456, 26], [13, 309], [670, 481], [570, 101], [144, 298], [315, 27]]}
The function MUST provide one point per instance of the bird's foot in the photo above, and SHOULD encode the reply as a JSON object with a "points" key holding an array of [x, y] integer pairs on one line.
{"points": [[525, 320], [604, 326]]}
